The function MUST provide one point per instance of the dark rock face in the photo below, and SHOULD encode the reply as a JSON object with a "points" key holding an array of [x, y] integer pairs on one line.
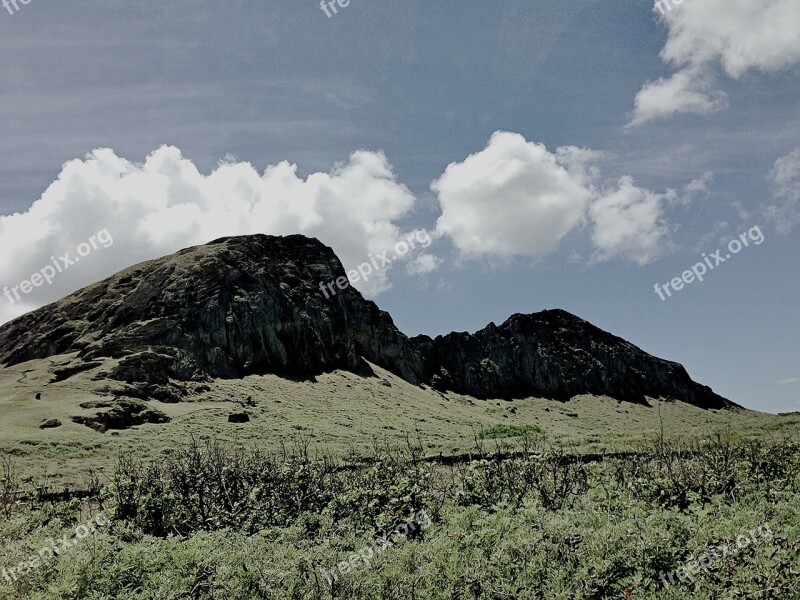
{"points": [[554, 354], [50, 424], [254, 305], [236, 306]]}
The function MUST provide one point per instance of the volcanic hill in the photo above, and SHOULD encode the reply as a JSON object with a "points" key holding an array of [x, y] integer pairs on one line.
{"points": [[249, 305]]}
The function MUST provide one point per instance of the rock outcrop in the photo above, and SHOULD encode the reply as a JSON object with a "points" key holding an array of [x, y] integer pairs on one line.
{"points": [[255, 304], [236, 306], [124, 414], [554, 354]]}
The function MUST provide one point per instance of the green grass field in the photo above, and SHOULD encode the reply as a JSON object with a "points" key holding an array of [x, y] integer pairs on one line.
{"points": [[597, 497]]}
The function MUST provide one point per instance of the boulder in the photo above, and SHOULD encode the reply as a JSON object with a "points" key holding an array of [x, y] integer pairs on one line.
{"points": [[240, 417]]}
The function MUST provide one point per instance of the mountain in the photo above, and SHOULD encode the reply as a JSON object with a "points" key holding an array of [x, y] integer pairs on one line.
{"points": [[258, 304]]}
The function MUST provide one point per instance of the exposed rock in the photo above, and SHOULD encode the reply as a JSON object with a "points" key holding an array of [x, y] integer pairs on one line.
{"points": [[67, 372], [124, 414], [236, 306], [49, 424], [254, 305], [554, 354], [241, 417], [96, 404]]}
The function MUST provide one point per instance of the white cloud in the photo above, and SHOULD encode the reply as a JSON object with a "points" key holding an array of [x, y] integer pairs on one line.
{"points": [[687, 91], [737, 35], [423, 264], [629, 223], [741, 34], [164, 204], [580, 163], [788, 381], [699, 186], [514, 197], [785, 182], [696, 188], [743, 213]]}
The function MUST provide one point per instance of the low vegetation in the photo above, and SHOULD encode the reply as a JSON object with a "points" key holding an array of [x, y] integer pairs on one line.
{"points": [[508, 431], [539, 522]]}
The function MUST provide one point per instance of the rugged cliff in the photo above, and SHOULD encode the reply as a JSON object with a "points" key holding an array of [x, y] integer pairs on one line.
{"points": [[554, 354], [254, 304]]}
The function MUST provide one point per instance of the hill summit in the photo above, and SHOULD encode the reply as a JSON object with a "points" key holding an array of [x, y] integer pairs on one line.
{"points": [[254, 305]]}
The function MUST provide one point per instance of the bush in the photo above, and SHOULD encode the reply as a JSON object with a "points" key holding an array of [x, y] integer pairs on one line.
{"points": [[206, 488]]}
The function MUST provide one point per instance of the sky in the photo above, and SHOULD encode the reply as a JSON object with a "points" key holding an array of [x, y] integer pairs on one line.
{"points": [[480, 158]]}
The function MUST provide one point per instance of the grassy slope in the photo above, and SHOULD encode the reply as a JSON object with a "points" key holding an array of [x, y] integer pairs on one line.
{"points": [[339, 412]]}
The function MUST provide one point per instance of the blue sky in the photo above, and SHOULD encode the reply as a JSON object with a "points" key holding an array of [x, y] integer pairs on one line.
{"points": [[677, 133]]}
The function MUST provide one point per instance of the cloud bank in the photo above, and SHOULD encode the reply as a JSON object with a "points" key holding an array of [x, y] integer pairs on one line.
{"points": [[512, 198], [165, 204]]}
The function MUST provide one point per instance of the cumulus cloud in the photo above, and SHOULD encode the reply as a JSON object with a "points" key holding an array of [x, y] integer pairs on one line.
{"points": [[736, 35], [165, 204], [514, 197], [784, 179], [629, 223]]}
